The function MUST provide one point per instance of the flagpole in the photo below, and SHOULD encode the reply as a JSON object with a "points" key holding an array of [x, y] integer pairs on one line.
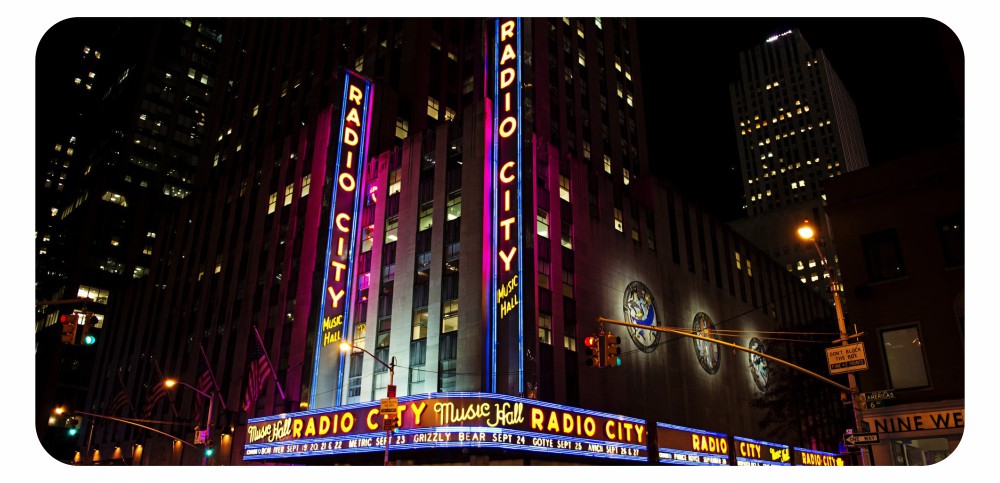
{"points": [[212, 375], [156, 365], [274, 372], [127, 399]]}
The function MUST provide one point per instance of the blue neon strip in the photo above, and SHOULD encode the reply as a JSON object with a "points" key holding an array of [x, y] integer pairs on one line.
{"points": [[763, 462], [813, 451], [693, 430], [776, 445], [494, 161], [520, 220]]}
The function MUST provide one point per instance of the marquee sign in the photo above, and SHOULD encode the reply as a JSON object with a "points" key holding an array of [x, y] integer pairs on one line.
{"points": [[504, 159], [751, 452], [449, 420], [810, 457], [352, 149], [687, 446]]}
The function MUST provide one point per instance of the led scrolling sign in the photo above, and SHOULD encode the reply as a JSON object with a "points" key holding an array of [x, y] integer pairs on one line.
{"points": [[352, 149]]}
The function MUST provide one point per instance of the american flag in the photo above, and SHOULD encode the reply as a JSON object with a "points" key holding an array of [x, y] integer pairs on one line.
{"points": [[155, 394], [120, 401], [260, 370], [205, 385]]}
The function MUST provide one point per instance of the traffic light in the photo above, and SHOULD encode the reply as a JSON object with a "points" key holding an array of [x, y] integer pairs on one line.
{"points": [[612, 353], [89, 338], [209, 448], [593, 351], [73, 425], [68, 322]]}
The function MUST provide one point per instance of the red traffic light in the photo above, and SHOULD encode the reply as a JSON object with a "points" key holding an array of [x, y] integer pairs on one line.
{"points": [[593, 351]]}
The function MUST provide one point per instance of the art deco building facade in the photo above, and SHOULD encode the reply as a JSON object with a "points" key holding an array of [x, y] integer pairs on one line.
{"points": [[796, 125], [482, 237]]}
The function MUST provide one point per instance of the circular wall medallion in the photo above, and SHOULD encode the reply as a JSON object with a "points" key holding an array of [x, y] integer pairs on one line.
{"points": [[639, 308], [709, 354], [758, 364]]}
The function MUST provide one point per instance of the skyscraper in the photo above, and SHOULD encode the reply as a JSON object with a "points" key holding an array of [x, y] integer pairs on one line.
{"points": [[462, 199], [122, 113], [795, 125]]}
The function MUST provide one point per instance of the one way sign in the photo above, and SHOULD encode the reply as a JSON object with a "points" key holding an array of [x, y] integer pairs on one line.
{"points": [[858, 439]]}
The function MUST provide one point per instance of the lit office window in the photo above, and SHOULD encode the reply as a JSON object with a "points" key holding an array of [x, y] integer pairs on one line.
{"points": [[433, 108], [543, 274], [454, 208], [426, 216], [563, 188], [449, 316], [543, 223], [566, 238], [305, 185], [545, 329], [272, 202], [618, 220], [395, 181], [391, 227], [402, 128], [289, 191]]}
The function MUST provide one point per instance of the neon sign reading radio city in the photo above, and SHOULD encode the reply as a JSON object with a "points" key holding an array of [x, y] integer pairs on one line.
{"points": [[452, 419], [351, 153], [505, 166], [350, 145]]}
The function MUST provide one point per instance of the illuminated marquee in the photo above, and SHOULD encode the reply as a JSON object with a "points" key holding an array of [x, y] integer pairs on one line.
{"points": [[352, 149], [687, 446], [809, 457], [750, 452], [505, 160], [449, 420]]}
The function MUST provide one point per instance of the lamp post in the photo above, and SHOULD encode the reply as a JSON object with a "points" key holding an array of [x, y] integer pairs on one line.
{"points": [[170, 383], [390, 390], [807, 233]]}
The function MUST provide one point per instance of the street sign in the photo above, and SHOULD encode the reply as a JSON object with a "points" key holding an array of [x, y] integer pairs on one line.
{"points": [[388, 406], [860, 439], [877, 395], [871, 404], [846, 358]]}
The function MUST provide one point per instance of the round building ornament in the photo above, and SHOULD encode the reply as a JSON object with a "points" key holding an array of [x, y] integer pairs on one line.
{"points": [[639, 308], [758, 364], [708, 353]]}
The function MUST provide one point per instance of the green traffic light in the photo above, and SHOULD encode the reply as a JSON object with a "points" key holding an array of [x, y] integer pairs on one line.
{"points": [[72, 431], [89, 339], [209, 452]]}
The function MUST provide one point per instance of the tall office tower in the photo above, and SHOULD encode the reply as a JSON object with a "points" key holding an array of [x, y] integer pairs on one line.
{"points": [[795, 125], [127, 110], [459, 201]]}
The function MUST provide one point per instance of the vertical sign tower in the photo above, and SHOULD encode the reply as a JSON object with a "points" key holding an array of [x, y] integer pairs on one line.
{"points": [[505, 331], [351, 145]]}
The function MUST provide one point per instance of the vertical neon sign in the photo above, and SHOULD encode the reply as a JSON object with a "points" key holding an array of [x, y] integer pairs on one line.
{"points": [[352, 150], [506, 294]]}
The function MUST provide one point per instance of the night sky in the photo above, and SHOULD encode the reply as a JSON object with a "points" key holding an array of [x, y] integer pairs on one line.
{"points": [[901, 72]]}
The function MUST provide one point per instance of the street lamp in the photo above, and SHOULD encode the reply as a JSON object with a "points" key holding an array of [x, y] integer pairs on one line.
{"points": [[806, 233], [205, 434], [390, 390]]}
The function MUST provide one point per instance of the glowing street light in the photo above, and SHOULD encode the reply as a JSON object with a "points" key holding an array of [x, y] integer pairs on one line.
{"points": [[390, 390], [806, 233]]}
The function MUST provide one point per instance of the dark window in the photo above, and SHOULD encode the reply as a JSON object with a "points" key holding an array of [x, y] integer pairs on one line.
{"points": [[882, 256], [952, 239]]}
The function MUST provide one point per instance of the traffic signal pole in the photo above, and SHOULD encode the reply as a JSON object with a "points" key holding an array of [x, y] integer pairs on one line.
{"points": [[849, 390]]}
